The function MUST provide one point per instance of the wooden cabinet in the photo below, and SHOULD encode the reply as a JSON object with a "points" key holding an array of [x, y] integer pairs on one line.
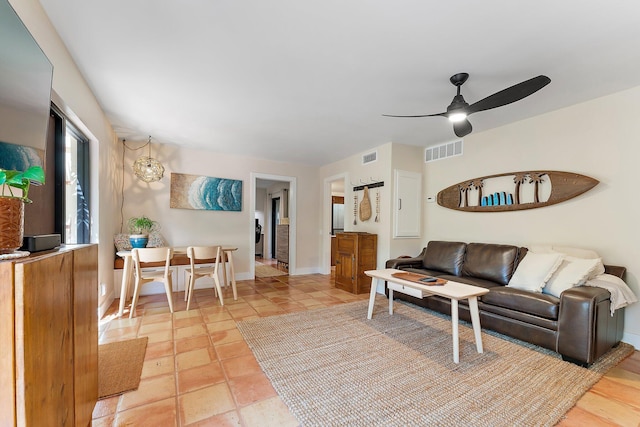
{"points": [[355, 253], [49, 338], [282, 244], [334, 248]]}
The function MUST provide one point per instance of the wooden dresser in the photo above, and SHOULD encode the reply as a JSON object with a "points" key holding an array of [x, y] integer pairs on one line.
{"points": [[282, 244], [355, 253], [49, 338]]}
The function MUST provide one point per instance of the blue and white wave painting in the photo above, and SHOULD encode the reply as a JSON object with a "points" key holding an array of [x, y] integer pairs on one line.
{"points": [[217, 194], [18, 157]]}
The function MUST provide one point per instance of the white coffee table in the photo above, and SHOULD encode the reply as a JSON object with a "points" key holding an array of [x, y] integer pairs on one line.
{"points": [[453, 290]]}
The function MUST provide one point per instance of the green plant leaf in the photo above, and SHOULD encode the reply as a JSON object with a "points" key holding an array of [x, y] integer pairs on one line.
{"points": [[12, 176], [35, 174]]}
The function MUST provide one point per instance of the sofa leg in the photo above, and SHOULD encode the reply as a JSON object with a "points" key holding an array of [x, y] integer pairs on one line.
{"points": [[575, 361]]}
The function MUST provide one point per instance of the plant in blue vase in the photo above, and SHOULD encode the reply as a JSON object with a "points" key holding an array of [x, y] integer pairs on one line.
{"points": [[139, 229]]}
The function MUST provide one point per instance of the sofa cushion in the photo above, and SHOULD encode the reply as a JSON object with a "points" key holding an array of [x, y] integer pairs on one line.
{"points": [[572, 272], [572, 252], [426, 272], [447, 257], [534, 271], [490, 261], [473, 281], [542, 305]]}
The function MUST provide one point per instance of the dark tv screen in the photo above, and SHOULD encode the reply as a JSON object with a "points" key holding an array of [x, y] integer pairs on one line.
{"points": [[25, 94]]}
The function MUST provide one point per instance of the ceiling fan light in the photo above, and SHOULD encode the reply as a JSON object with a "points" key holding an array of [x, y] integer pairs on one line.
{"points": [[457, 117]]}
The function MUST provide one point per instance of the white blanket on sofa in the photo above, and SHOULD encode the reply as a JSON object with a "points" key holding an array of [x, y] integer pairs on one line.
{"points": [[621, 294]]}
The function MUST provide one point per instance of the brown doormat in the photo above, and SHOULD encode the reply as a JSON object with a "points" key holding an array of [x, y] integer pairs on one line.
{"points": [[119, 366]]}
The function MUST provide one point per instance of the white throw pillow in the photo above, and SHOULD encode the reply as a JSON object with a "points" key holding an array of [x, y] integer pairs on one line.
{"points": [[576, 252], [121, 242], [584, 254], [572, 272], [541, 249], [534, 270]]}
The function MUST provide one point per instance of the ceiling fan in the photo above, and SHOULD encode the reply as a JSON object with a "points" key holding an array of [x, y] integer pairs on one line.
{"points": [[458, 111]]}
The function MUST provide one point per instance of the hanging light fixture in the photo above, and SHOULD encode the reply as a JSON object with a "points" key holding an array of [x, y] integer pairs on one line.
{"points": [[147, 168]]}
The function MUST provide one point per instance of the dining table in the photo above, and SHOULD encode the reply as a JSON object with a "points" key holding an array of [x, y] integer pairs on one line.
{"points": [[127, 271]]}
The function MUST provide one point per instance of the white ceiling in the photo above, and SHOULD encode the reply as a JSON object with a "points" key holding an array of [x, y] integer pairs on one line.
{"points": [[308, 81]]}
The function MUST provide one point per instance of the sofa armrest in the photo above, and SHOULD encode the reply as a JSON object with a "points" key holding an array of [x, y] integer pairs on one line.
{"points": [[399, 263], [586, 329]]}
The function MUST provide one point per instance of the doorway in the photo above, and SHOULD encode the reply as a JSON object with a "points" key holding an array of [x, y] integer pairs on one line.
{"points": [[275, 220], [273, 204], [334, 196]]}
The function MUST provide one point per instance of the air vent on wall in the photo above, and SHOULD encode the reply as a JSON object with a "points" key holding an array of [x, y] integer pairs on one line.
{"points": [[443, 151], [370, 157]]}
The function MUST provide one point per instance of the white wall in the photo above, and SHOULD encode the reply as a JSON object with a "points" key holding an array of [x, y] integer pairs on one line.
{"points": [[406, 158], [261, 211], [79, 103], [357, 175], [598, 138], [183, 227]]}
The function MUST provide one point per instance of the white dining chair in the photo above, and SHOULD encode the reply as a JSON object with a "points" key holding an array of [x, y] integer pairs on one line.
{"points": [[207, 253], [149, 255]]}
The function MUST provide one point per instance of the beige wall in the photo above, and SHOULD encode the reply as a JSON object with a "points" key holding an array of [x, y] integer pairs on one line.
{"points": [[405, 158], [391, 157], [597, 138], [182, 227], [356, 175], [76, 99]]}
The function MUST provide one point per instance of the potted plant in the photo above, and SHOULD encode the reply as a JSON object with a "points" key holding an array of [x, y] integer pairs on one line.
{"points": [[139, 229], [14, 194]]}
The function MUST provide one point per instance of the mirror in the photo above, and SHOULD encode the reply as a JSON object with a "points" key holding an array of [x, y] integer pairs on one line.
{"points": [[25, 94]]}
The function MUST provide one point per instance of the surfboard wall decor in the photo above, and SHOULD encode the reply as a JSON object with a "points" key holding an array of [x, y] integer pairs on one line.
{"points": [[514, 191]]}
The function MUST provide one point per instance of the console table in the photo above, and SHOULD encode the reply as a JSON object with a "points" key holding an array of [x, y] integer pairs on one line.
{"points": [[49, 338]]}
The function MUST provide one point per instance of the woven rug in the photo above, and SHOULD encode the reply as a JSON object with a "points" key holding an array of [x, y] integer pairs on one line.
{"points": [[119, 366], [332, 367], [267, 271]]}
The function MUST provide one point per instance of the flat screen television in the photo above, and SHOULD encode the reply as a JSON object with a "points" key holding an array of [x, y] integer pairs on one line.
{"points": [[25, 94]]}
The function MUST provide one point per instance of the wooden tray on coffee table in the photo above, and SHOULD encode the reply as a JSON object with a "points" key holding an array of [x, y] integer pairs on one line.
{"points": [[418, 278]]}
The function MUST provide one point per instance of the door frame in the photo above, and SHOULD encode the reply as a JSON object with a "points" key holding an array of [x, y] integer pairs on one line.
{"points": [[326, 220], [254, 177]]}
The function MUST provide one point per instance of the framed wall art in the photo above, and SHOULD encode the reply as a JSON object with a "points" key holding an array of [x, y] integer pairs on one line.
{"points": [[205, 193]]}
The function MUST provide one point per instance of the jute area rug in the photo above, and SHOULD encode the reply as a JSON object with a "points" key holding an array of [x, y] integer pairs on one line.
{"points": [[119, 366], [263, 270], [332, 367]]}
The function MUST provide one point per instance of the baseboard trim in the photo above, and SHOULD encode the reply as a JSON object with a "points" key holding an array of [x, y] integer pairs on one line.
{"points": [[106, 303], [632, 339]]}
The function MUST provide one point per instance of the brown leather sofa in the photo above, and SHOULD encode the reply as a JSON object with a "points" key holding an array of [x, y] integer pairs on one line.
{"points": [[578, 325]]}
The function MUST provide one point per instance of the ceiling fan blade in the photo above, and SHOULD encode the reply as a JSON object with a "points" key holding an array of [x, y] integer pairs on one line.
{"points": [[510, 94], [423, 115], [462, 128]]}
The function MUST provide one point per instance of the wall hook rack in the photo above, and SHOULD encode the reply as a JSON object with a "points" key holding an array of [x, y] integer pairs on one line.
{"points": [[370, 186]]}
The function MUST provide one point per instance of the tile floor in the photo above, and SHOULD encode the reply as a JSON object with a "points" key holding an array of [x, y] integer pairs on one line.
{"points": [[198, 370]]}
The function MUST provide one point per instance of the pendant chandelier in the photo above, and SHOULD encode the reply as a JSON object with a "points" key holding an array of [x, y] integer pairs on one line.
{"points": [[147, 168]]}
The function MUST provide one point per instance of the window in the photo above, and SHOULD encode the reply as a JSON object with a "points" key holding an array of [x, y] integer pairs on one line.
{"points": [[72, 217]]}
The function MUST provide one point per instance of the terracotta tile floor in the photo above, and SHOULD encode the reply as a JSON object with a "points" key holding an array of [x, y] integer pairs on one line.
{"points": [[198, 370]]}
